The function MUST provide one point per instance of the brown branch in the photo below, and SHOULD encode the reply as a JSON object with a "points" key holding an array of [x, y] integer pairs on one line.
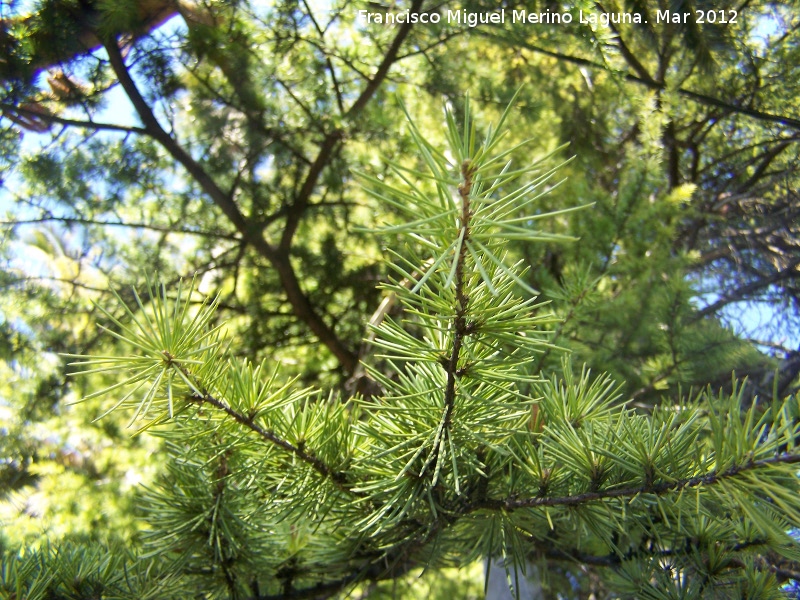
{"points": [[460, 327], [251, 233], [328, 62], [154, 129], [270, 132], [150, 15], [332, 139], [763, 564], [442, 40], [41, 115], [631, 492], [340, 57], [626, 52], [791, 122], [743, 292], [765, 161], [339, 478], [302, 199], [304, 310], [388, 60], [200, 395], [83, 221], [375, 572]]}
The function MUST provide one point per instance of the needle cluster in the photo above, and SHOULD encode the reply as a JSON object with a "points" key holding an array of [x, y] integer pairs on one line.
{"points": [[271, 490]]}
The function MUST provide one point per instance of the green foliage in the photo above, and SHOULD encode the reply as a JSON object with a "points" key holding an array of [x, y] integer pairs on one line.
{"points": [[467, 453], [74, 569], [237, 170]]}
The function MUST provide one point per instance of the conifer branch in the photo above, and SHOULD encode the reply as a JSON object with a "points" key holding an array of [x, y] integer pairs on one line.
{"points": [[226, 562], [460, 330], [449, 439], [201, 395], [631, 492]]}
